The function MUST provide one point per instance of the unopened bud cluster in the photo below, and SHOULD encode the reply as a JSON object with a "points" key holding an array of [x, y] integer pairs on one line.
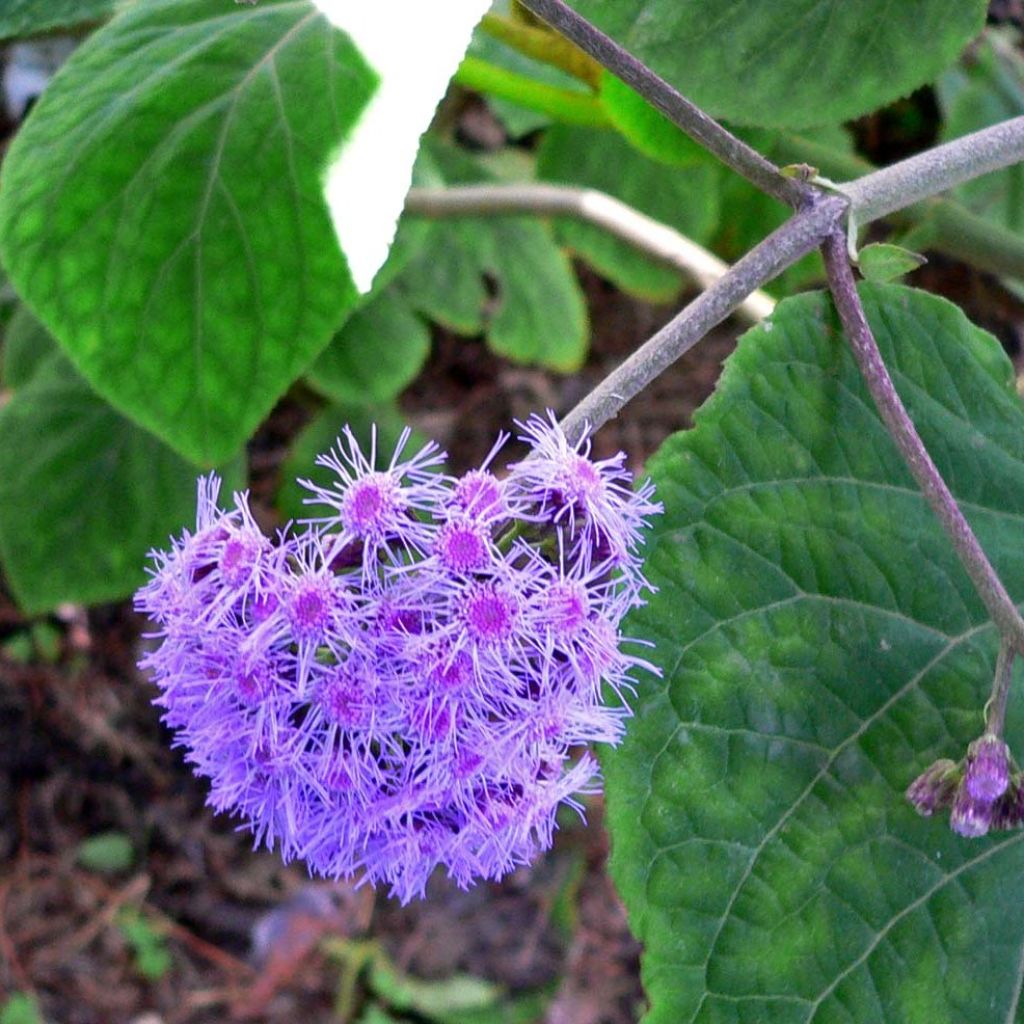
{"points": [[984, 792], [411, 680]]}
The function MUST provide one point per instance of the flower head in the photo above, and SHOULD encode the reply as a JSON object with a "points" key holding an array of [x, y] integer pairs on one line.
{"points": [[379, 507], [405, 683]]}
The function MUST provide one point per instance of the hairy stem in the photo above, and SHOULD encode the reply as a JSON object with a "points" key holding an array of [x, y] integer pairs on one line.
{"points": [[897, 421], [657, 240], [936, 170], [690, 118], [801, 234], [995, 709]]}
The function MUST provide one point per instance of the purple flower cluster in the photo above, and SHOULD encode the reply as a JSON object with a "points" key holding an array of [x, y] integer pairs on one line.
{"points": [[985, 791], [411, 680]]}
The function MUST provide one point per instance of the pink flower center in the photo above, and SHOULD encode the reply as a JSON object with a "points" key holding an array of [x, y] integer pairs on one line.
{"points": [[372, 506], [309, 607], [581, 479], [344, 702], [491, 614], [452, 672], [462, 546], [252, 684], [349, 693]]}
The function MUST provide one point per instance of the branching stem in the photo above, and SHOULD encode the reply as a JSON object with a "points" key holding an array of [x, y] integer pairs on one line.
{"points": [[691, 119], [900, 426], [801, 234]]}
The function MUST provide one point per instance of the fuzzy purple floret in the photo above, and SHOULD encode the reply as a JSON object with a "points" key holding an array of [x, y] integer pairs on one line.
{"points": [[987, 769], [410, 682]]}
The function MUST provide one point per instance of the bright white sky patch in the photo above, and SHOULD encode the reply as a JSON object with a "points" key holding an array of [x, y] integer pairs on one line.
{"points": [[415, 47]]}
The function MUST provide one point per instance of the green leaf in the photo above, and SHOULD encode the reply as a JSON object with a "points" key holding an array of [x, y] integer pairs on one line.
{"points": [[163, 212], [84, 493], [820, 646], [30, 17], [796, 64], [381, 348], [503, 277], [319, 436], [989, 90], [882, 261], [48, 642], [686, 199], [523, 1008], [152, 957], [108, 852], [647, 128]]}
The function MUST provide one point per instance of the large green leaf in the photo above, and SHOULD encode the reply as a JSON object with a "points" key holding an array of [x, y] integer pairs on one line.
{"points": [[685, 198], [162, 210], [791, 63], [504, 277], [820, 645], [84, 493], [29, 17]]}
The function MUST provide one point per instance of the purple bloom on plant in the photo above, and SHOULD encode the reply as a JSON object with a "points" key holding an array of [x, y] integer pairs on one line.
{"points": [[423, 704], [987, 768]]}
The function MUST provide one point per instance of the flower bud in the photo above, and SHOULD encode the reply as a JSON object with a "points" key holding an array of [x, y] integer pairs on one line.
{"points": [[935, 787], [970, 817], [987, 769]]}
